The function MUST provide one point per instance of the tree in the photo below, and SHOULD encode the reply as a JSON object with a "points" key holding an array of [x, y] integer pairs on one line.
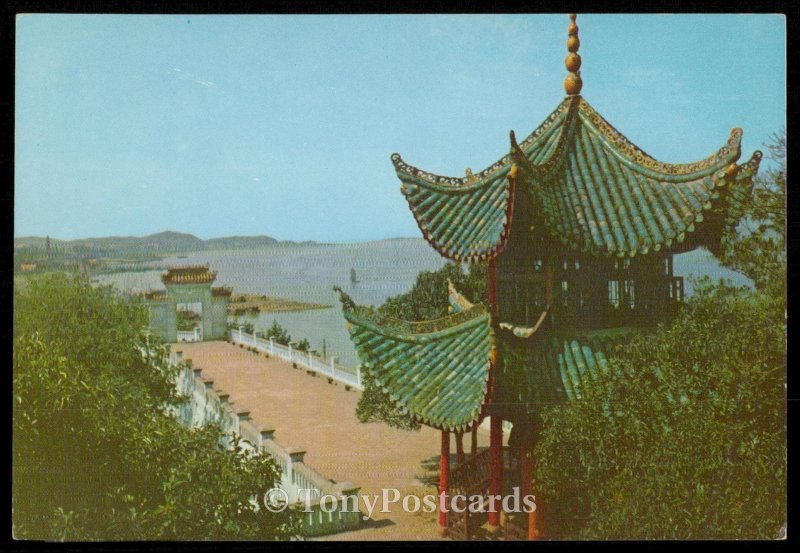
{"points": [[303, 345], [685, 435], [96, 451], [278, 334], [427, 299], [758, 246], [246, 326]]}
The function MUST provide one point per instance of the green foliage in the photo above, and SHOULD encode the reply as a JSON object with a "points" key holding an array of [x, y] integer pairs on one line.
{"points": [[187, 320], [97, 454], [303, 345], [427, 299], [375, 405], [278, 334], [246, 326], [685, 437], [759, 248], [237, 323]]}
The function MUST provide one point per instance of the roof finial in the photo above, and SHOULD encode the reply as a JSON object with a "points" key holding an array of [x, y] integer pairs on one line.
{"points": [[573, 82]]}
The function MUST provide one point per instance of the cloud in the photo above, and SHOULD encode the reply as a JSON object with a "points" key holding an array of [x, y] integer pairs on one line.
{"points": [[184, 76]]}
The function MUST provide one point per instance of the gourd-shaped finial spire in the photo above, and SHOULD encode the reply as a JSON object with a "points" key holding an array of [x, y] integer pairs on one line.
{"points": [[573, 82]]}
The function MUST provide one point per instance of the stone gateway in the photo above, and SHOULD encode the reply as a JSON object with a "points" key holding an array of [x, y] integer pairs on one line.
{"points": [[189, 285]]}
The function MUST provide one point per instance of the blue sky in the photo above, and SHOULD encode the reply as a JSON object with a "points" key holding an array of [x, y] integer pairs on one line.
{"points": [[284, 125]]}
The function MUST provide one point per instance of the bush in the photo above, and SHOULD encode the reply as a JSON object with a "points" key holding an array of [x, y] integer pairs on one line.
{"points": [[686, 436], [303, 345], [97, 454], [278, 334]]}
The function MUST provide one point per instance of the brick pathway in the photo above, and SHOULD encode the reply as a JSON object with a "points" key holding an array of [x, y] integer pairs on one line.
{"points": [[319, 416]]}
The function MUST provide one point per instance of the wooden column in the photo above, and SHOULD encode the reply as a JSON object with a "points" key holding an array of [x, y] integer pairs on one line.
{"points": [[496, 467], [473, 450], [548, 281], [525, 488], [444, 482], [492, 285], [496, 422]]}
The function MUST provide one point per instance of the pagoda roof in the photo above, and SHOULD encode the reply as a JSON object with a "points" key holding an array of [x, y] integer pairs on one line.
{"points": [[591, 188], [436, 371], [555, 370]]}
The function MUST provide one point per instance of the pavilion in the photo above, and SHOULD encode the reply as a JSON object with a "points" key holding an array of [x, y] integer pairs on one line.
{"points": [[578, 227]]}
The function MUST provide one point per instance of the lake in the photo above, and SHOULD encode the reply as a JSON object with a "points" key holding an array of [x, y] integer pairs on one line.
{"points": [[308, 273]]}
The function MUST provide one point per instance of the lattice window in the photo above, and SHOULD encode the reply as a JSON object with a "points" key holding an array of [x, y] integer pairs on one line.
{"points": [[614, 293], [629, 292]]}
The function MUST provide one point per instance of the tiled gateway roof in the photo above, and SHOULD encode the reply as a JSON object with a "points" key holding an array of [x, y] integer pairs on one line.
{"points": [[436, 371], [591, 187]]}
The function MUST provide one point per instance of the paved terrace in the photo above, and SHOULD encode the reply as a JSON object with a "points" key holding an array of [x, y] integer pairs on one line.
{"points": [[318, 416]]}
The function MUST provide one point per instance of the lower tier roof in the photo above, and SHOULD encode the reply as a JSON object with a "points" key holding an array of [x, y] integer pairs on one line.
{"points": [[436, 371]]}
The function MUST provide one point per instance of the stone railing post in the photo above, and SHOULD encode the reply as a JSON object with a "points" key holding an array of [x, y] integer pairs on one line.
{"points": [[291, 357], [240, 334], [358, 375], [333, 365], [271, 346], [267, 433], [296, 455], [310, 360]]}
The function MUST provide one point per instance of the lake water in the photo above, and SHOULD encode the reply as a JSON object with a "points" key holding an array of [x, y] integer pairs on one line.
{"points": [[308, 273]]}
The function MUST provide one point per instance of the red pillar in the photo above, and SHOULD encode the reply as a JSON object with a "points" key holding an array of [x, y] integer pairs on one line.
{"points": [[444, 482], [496, 467]]}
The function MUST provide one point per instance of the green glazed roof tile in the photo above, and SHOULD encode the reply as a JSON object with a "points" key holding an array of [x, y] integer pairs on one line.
{"points": [[595, 190], [547, 369], [437, 370]]}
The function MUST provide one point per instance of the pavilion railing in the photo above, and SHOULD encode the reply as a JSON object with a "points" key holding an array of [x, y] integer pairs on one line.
{"points": [[307, 360], [468, 479]]}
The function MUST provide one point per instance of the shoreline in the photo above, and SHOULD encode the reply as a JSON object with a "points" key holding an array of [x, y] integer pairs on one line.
{"points": [[253, 304]]}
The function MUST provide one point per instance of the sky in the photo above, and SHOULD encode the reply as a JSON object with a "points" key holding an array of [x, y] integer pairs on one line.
{"points": [[127, 125]]}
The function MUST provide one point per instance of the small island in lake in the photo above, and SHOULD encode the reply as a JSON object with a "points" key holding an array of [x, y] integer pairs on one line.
{"points": [[244, 304]]}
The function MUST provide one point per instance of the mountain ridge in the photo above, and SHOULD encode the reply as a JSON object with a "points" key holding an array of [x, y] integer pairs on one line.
{"points": [[167, 241]]}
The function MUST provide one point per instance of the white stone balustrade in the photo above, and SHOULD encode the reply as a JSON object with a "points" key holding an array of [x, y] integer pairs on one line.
{"points": [[208, 404], [340, 373]]}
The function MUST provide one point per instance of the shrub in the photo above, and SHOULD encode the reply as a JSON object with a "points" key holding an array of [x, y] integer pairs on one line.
{"points": [[686, 436], [97, 454]]}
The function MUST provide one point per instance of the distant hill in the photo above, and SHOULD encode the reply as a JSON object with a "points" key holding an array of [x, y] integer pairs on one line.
{"points": [[161, 243]]}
